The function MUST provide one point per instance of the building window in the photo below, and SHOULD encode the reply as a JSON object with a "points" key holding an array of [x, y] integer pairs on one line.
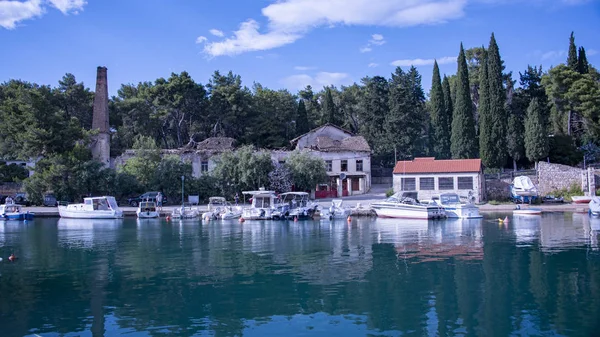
{"points": [[465, 183], [426, 184], [446, 183], [344, 166], [408, 184], [359, 167], [329, 165], [204, 166]]}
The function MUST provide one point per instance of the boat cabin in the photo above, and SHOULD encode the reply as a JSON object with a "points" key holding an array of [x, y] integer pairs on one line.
{"points": [[216, 202], [100, 204], [10, 208], [147, 206], [295, 199], [404, 197]]}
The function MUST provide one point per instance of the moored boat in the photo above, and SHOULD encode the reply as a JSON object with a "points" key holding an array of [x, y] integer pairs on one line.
{"points": [[104, 207], [527, 211], [266, 205], [454, 208], [147, 210], [523, 190], [185, 212], [581, 199], [300, 207], [14, 212], [594, 206], [335, 211], [406, 205]]}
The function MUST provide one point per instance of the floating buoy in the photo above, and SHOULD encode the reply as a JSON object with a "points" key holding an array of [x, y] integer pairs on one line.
{"points": [[349, 218], [12, 257], [506, 219], [295, 219], [168, 218], [242, 220]]}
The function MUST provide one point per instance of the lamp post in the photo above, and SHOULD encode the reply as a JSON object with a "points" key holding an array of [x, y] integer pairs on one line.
{"points": [[182, 199]]}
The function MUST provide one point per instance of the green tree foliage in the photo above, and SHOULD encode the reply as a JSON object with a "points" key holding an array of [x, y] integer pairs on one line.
{"points": [[306, 170], [375, 108], [167, 178], [439, 117], [144, 162], [582, 62], [273, 122], [302, 125], [349, 107], [448, 103], [75, 100], [463, 140], [329, 108], [572, 56], [280, 179], [12, 172], [497, 118], [486, 146], [564, 151], [536, 136], [514, 137], [313, 108], [405, 124], [242, 169]]}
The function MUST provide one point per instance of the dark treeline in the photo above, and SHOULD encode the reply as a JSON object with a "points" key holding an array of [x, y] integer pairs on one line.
{"points": [[480, 112]]}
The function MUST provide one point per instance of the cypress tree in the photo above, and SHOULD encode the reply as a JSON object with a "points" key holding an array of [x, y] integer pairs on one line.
{"points": [[301, 119], [497, 114], [486, 148], [582, 63], [329, 112], [514, 136], [536, 138], [463, 140], [447, 100], [439, 123], [572, 57]]}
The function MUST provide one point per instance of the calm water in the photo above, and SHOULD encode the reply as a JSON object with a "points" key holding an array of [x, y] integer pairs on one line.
{"points": [[534, 276]]}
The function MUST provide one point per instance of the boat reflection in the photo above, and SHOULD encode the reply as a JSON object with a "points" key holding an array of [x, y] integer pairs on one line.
{"points": [[563, 231], [527, 228], [87, 232]]}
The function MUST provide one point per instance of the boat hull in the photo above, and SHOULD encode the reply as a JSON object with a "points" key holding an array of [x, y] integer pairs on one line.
{"points": [[147, 215], [527, 212], [390, 210], [99, 214], [581, 200], [462, 212], [17, 216]]}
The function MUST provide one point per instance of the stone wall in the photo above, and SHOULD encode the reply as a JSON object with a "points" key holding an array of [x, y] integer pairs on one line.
{"points": [[556, 176], [499, 188]]}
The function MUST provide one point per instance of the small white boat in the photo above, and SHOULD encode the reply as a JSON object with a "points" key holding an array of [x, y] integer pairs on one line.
{"points": [[300, 206], [185, 212], [582, 199], [231, 212], [406, 205], [454, 208], [92, 208], [266, 205], [216, 206], [594, 206], [13, 211], [147, 210], [335, 211], [527, 211], [523, 190]]}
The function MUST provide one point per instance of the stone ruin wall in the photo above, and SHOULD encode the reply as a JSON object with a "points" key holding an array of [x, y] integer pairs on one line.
{"points": [[554, 177]]}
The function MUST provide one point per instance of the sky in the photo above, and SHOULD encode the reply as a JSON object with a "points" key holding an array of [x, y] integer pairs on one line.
{"points": [[281, 44]]}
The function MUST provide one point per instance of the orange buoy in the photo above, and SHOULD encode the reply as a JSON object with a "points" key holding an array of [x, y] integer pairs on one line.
{"points": [[349, 218], [242, 220], [168, 218]]}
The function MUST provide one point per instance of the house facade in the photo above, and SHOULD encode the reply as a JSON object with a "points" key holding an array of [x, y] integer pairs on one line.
{"points": [[347, 158], [430, 177]]}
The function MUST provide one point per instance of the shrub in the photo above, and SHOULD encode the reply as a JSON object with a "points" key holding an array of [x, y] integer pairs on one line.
{"points": [[389, 192]]}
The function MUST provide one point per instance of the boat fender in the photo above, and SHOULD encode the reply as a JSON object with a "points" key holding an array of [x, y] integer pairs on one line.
{"points": [[506, 219], [12, 258], [349, 218], [295, 219], [168, 218], [242, 220]]}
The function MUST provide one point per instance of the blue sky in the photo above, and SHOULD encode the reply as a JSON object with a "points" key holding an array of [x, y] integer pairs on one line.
{"points": [[281, 44]]}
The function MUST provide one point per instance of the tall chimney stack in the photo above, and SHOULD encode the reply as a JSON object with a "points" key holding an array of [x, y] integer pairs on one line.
{"points": [[101, 142]]}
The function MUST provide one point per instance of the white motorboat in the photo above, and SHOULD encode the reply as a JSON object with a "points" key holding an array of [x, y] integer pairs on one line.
{"points": [[147, 210], [335, 211], [581, 199], [185, 212], [12, 211], [300, 206], [231, 212], [523, 190], [104, 207], [266, 205], [527, 211], [454, 208], [216, 207], [406, 205], [594, 206]]}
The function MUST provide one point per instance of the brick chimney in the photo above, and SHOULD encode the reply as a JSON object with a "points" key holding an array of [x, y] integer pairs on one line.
{"points": [[101, 142]]}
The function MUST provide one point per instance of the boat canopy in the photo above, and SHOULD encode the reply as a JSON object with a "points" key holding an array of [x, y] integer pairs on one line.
{"points": [[150, 205], [523, 183], [449, 198], [216, 200], [404, 197]]}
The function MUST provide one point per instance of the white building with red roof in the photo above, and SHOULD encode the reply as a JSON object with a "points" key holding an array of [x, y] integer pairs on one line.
{"points": [[430, 177]]}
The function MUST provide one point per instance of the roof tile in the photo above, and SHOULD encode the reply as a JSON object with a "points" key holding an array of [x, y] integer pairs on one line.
{"points": [[430, 165]]}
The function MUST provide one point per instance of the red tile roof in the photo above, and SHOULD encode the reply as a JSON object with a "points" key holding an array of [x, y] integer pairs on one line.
{"points": [[430, 165]]}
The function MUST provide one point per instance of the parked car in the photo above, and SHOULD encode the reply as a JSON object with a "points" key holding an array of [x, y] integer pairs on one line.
{"points": [[148, 196], [21, 199], [50, 200]]}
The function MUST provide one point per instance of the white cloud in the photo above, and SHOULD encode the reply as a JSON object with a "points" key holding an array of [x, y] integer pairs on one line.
{"points": [[321, 79], [216, 32], [290, 20], [373, 65], [13, 12], [377, 39], [554, 54], [424, 62], [303, 68], [67, 6], [247, 38], [365, 49], [201, 39]]}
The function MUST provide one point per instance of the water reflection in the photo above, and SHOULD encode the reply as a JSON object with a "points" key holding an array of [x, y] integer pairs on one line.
{"points": [[532, 276]]}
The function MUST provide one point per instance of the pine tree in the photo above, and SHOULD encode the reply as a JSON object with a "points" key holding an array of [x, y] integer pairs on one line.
{"points": [[497, 114], [440, 133], [514, 135], [447, 101], [463, 139], [329, 108], [572, 57], [582, 63], [536, 138], [486, 147], [301, 119]]}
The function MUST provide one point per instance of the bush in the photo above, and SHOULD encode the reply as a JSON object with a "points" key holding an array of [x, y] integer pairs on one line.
{"points": [[389, 192], [567, 193]]}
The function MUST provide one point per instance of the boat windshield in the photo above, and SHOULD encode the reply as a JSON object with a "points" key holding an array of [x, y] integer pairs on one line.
{"points": [[113, 203], [450, 199], [147, 205]]}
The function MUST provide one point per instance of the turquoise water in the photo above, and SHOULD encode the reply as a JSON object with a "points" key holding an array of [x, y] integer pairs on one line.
{"points": [[372, 277]]}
